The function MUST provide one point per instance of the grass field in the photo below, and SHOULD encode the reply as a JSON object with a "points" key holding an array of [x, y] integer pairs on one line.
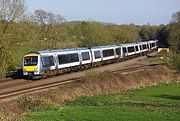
{"points": [[157, 103]]}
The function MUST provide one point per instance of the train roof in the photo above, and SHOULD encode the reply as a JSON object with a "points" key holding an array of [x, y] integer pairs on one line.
{"points": [[106, 46], [95, 47], [60, 50], [151, 41], [127, 45], [70, 49]]}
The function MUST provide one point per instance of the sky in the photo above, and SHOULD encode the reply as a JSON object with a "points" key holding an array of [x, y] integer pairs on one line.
{"points": [[139, 12]]}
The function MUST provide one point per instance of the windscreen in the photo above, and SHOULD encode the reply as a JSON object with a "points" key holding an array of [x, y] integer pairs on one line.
{"points": [[30, 60]]}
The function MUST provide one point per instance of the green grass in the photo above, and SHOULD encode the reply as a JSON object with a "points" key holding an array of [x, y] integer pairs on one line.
{"points": [[160, 57], [154, 59], [158, 103]]}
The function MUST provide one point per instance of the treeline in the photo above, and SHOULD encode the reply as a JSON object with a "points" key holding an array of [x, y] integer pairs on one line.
{"points": [[20, 33]]}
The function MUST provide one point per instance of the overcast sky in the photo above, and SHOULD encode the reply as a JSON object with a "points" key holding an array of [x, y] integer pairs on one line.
{"points": [[139, 12]]}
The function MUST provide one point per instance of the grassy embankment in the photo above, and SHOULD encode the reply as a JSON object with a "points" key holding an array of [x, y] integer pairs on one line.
{"points": [[157, 103], [171, 59]]}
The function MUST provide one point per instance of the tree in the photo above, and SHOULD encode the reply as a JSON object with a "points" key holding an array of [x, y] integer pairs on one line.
{"points": [[174, 32], [47, 23], [148, 32], [174, 36], [47, 17], [11, 12], [92, 33], [163, 35], [176, 17]]}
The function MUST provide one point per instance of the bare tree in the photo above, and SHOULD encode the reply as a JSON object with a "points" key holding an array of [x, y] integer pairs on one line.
{"points": [[176, 17], [47, 18], [12, 10]]}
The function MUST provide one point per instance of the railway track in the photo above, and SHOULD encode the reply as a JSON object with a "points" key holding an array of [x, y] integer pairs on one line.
{"points": [[36, 88], [31, 86]]}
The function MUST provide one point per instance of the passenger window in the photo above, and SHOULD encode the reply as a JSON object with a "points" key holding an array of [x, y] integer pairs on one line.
{"points": [[107, 53], [47, 61], [153, 45], [145, 46], [68, 58], [85, 56], [97, 54], [74, 57], [131, 49], [62, 59]]}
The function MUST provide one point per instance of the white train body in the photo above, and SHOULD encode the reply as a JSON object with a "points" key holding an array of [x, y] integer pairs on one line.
{"points": [[38, 63]]}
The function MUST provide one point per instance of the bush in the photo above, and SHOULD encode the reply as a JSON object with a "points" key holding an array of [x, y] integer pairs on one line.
{"points": [[174, 61]]}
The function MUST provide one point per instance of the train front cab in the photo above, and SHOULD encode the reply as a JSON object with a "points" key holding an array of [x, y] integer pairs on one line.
{"points": [[31, 64]]}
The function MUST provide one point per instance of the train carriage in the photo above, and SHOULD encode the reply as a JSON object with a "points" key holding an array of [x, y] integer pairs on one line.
{"points": [[128, 50], [152, 45], [106, 54], [36, 63], [67, 58], [144, 47]]}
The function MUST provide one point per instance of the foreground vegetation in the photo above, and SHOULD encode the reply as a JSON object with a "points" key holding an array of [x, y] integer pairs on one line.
{"points": [[171, 59], [158, 103]]}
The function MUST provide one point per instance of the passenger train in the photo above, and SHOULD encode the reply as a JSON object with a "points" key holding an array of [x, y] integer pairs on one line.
{"points": [[53, 62]]}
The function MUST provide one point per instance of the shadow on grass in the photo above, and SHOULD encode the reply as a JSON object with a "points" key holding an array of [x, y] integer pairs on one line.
{"points": [[169, 97]]}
